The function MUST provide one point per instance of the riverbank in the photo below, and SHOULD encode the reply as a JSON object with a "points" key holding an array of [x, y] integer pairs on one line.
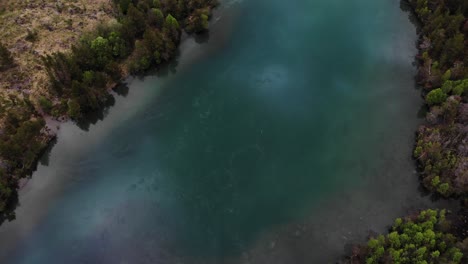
{"points": [[244, 151], [31, 29], [59, 170], [73, 77], [441, 148]]}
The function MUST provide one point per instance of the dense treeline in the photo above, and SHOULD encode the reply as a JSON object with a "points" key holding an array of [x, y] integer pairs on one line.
{"points": [[146, 35], [22, 140], [420, 239], [442, 149]]}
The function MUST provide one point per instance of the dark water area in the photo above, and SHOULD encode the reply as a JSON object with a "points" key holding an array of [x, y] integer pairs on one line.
{"points": [[282, 137]]}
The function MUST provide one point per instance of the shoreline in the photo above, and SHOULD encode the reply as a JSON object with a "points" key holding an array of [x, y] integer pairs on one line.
{"points": [[35, 201], [450, 105], [61, 124], [187, 49], [50, 111]]}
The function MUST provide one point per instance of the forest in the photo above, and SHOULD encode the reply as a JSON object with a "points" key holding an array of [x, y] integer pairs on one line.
{"points": [[417, 239], [146, 35], [441, 147]]}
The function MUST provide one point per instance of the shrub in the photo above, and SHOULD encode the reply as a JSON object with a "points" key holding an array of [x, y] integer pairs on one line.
{"points": [[45, 104], [32, 35], [6, 60]]}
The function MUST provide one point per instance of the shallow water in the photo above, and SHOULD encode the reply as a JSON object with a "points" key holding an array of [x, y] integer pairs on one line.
{"points": [[283, 138]]}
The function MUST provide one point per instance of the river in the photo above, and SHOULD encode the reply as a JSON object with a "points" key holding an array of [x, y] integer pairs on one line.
{"points": [[285, 136]]}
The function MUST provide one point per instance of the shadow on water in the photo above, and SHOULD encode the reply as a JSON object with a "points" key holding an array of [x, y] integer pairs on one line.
{"points": [[406, 7], [422, 112], [122, 89], [9, 213], [92, 118], [44, 160], [423, 109], [166, 69], [202, 37], [413, 18]]}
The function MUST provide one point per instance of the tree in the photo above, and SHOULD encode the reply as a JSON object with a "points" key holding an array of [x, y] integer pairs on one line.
{"points": [[455, 47], [198, 21], [74, 109], [173, 27], [436, 96], [137, 20], [171, 22], [117, 45], [155, 17], [447, 75], [102, 50], [141, 61], [420, 239], [435, 181], [124, 4], [443, 188], [45, 104]]}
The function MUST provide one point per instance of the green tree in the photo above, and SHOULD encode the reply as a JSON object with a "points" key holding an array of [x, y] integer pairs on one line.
{"points": [[420, 239], [74, 109], [198, 21], [124, 4], [102, 50], [136, 19], [436, 96], [155, 17], [435, 181], [45, 104], [394, 239], [443, 188], [171, 22], [117, 45], [457, 256], [173, 27], [447, 75], [455, 47]]}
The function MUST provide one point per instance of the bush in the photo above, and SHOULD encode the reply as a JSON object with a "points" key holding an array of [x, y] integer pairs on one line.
{"points": [[6, 60], [32, 36], [45, 104]]}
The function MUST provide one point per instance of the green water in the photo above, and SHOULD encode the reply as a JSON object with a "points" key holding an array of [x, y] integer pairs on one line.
{"points": [[282, 138]]}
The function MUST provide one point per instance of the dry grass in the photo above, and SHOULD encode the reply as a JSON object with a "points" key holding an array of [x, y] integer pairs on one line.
{"points": [[30, 28]]}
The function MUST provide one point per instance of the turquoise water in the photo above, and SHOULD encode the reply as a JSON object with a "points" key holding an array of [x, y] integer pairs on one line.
{"points": [[283, 138]]}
